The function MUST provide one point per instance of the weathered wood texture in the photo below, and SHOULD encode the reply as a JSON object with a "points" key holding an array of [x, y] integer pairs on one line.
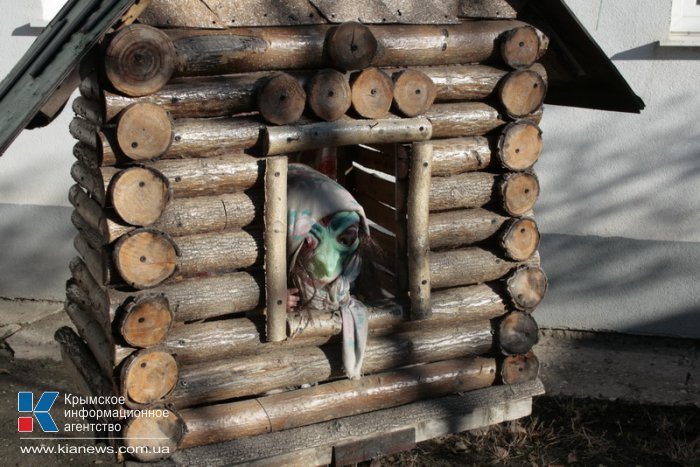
{"points": [[146, 321], [144, 131], [613, 366], [514, 192], [457, 155], [90, 329], [517, 333], [519, 145], [372, 92], [220, 96], [428, 418], [275, 238], [281, 99], [466, 266], [268, 370], [188, 299], [147, 375], [418, 229], [201, 52], [286, 139], [526, 287], [519, 368], [145, 258], [351, 46], [414, 92]]}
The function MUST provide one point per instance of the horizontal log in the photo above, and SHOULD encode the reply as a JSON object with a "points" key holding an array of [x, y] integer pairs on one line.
{"points": [[255, 374], [225, 95], [211, 176], [202, 52], [96, 146], [322, 323], [147, 375], [527, 286], [351, 46], [462, 227], [337, 399], [519, 145], [146, 321], [144, 131], [98, 262], [463, 119], [516, 369], [189, 299], [457, 155], [281, 99], [466, 266], [286, 139], [145, 258], [522, 93], [102, 221], [511, 192]]}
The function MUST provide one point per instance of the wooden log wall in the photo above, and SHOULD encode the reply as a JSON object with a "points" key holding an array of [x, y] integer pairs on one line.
{"points": [[178, 289]]}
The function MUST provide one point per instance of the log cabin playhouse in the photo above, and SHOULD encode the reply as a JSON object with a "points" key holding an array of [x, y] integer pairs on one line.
{"points": [[188, 116]]}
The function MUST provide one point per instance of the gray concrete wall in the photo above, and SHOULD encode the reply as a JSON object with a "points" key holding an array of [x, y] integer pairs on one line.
{"points": [[35, 228], [619, 211], [620, 204]]}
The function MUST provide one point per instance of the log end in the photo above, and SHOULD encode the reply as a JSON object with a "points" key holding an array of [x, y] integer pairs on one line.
{"points": [[147, 321], [139, 60], [414, 92], [351, 46], [144, 131], [139, 195], [527, 287], [145, 258], [517, 333], [154, 437], [520, 145], [148, 376], [328, 95], [520, 239], [520, 368], [521, 47], [281, 100], [522, 93], [372, 93], [520, 192]]}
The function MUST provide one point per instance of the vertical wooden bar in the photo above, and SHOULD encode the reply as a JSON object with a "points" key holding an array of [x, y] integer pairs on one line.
{"points": [[417, 229], [401, 267], [276, 247]]}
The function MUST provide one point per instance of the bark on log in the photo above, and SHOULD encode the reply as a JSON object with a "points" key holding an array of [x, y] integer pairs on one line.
{"points": [[281, 100], [522, 93], [89, 109], [315, 323], [91, 236], [95, 293], [100, 220], [139, 195], [198, 138], [519, 368], [337, 399], [148, 375], [202, 52], [91, 331], [328, 94], [451, 229], [226, 379], [463, 119], [287, 139], [517, 333], [466, 266], [519, 145], [372, 92], [144, 131], [516, 193], [481, 301], [139, 60], [97, 144], [189, 299], [220, 96], [98, 261], [414, 92], [457, 155], [276, 247], [527, 287], [402, 169], [211, 176], [219, 252], [351, 46], [95, 181], [146, 321], [145, 258], [418, 238], [519, 239], [523, 46]]}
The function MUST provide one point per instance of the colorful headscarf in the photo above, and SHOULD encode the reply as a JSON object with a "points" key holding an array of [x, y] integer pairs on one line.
{"points": [[318, 210]]}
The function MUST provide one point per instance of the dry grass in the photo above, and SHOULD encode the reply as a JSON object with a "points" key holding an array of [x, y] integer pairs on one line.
{"points": [[571, 432]]}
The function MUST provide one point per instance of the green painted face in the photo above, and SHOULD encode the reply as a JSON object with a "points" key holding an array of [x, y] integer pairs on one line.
{"points": [[331, 243]]}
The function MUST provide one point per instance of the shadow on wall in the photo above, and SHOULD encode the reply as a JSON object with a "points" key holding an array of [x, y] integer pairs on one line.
{"points": [[612, 174], [37, 246], [655, 51]]}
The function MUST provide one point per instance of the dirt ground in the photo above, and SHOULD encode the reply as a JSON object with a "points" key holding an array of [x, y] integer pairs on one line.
{"points": [[560, 432]]}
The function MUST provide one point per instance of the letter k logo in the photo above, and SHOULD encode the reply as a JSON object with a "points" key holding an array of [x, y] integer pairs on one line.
{"points": [[25, 403]]}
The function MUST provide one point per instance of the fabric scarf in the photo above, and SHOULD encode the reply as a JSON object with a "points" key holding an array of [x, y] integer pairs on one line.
{"points": [[311, 196]]}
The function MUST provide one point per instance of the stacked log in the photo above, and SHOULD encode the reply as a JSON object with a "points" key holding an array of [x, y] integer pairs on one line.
{"points": [[179, 289]]}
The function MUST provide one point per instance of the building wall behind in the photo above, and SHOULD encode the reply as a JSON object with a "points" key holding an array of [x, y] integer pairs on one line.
{"points": [[620, 204]]}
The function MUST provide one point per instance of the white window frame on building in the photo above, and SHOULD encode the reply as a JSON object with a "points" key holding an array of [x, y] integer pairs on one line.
{"points": [[685, 24]]}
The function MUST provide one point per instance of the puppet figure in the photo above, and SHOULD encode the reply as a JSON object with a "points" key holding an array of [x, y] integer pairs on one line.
{"points": [[326, 231]]}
